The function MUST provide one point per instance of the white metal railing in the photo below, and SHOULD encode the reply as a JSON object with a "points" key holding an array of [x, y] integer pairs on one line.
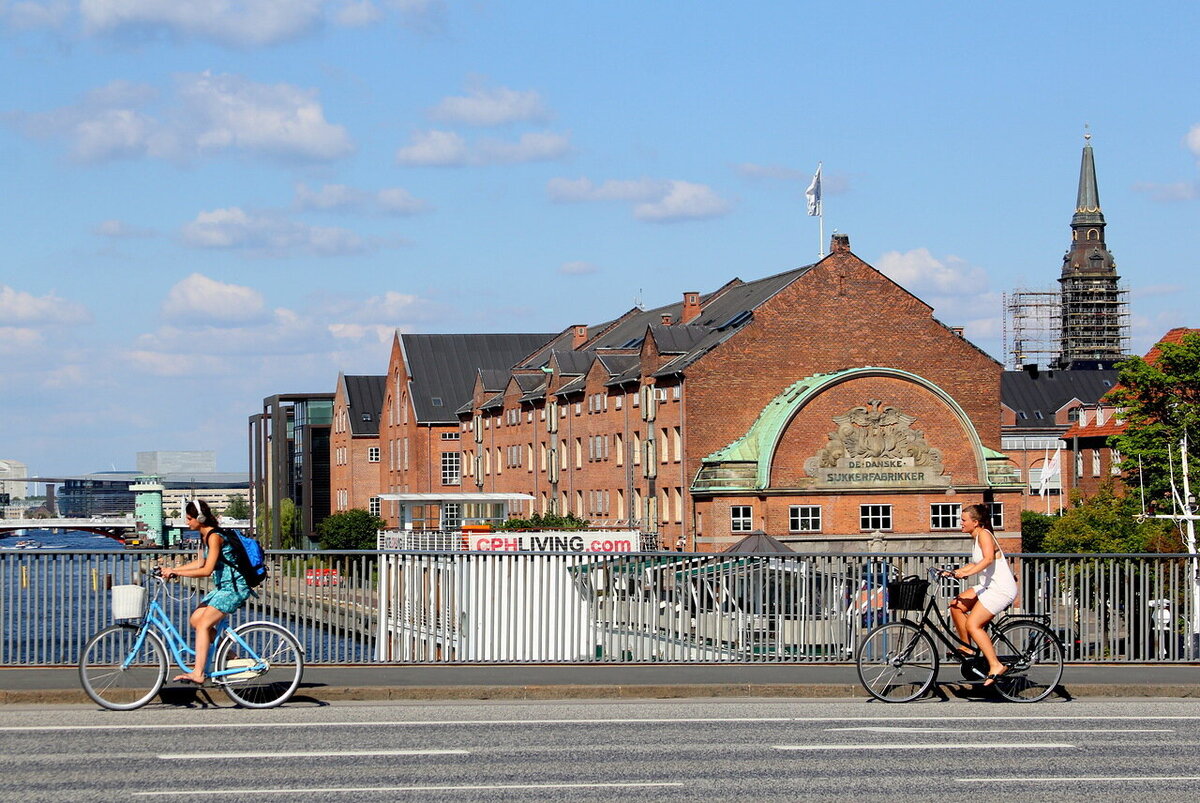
{"points": [[460, 606]]}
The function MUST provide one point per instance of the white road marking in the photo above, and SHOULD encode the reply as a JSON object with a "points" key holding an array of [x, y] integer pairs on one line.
{"points": [[1096, 778], [244, 725], [956, 746], [1006, 730], [463, 788], [308, 754]]}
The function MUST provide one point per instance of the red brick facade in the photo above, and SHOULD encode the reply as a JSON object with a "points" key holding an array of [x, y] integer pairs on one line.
{"points": [[354, 457], [839, 314]]}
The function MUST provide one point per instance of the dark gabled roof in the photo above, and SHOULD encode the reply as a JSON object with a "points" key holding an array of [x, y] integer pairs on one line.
{"points": [[618, 364], [443, 367], [678, 339], [1036, 396], [573, 363], [574, 386], [528, 382], [364, 401], [494, 379]]}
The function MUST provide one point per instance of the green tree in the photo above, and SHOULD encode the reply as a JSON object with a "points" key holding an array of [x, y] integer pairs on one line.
{"points": [[1108, 522], [1160, 403], [1034, 527], [289, 517], [350, 529], [238, 507], [546, 521]]}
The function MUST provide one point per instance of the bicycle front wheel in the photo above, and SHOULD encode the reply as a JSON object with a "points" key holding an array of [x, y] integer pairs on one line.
{"points": [[122, 668], [1034, 658], [272, 662], [897, 662]]}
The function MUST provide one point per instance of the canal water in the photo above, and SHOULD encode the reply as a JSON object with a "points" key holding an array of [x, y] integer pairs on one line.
{"points": [[55, 595]]}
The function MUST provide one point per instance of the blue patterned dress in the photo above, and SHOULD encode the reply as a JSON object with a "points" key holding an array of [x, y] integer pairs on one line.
{"points": [[230, 591]]}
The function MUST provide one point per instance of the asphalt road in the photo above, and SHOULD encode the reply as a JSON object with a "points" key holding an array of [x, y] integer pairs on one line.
{"points": [[722, 749]]}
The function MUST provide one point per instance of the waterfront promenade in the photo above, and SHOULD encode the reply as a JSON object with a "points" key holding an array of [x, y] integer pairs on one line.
{"points": [[327, 684]]}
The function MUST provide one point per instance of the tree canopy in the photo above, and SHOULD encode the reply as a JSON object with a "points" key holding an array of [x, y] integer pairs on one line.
{"points": [[546, 521], [350, 529], [1159, 403], [1108, 522]]}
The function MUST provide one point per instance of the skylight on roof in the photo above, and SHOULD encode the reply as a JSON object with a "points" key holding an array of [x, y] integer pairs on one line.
{"points": [[737, 320], [632, 344], [436, 401]]}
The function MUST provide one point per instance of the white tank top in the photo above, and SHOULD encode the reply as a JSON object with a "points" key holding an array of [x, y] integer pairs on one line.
{"points": [[997, 575]]}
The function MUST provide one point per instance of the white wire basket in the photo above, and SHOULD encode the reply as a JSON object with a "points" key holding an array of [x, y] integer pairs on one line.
{"points": [[128, 602]]}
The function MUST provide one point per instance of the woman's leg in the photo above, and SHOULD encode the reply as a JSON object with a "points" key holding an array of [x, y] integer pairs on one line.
{"points": [[204, 619], [960, 609], [977, 619]]}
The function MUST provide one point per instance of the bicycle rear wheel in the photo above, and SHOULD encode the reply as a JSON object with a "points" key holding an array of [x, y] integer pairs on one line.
{"points": [[897, 662], [1034, 658], [273, 665], [120, 674]]}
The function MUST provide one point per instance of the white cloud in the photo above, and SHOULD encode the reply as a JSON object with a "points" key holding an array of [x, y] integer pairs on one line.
{"points": [[357, 13], [268, 235], [656, 201], [19, 339], [207, 114], [244, 23], [119, 229], [26, 15], [1193, 140], [340, 197], [483, 106], [1169, 193], [17, 306], [434, 148], [212, 302], [683, 201], [451, 149], [777, 172], [918, 271], [577, 268]]}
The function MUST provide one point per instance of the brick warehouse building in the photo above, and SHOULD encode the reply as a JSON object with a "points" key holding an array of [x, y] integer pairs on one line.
{"points": [[824, 405], [429, 377], [354, 443]]}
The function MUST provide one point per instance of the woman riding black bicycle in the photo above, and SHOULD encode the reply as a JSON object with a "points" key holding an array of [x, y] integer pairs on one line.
{"points": [[973, 608]]}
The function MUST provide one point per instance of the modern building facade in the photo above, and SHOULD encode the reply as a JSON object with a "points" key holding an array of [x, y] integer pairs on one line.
{"points": [[160, 463], [290, 460]]}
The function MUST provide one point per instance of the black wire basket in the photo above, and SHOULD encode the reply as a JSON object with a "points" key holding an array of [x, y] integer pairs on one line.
{"points": [[907, 594]]}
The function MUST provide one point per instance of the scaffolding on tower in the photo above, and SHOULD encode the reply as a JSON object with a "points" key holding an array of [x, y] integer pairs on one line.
{"points": [[1032, 328]]}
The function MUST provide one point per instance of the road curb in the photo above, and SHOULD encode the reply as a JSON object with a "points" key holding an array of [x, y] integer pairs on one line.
{"points": [[329, 694]]}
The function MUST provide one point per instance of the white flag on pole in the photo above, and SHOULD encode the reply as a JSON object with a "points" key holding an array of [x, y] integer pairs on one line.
{"points": [[813, 194], [1052, 469]]}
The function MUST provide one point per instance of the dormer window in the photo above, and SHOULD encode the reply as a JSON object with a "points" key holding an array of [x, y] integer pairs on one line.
{"points": [[366, 417]]}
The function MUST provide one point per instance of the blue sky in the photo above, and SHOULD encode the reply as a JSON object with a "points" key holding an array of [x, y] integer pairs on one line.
{"points": [[211, 201]]}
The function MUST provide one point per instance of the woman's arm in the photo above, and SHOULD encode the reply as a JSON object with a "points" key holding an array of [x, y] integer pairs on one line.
{"points": [[988, 548], [201, 567]]}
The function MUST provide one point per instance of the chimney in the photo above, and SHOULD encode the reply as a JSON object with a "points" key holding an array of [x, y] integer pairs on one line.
{"points": [[840, 244], [666, 319], [691, 308], [1031, 369], [579, 336], [958, 330]]}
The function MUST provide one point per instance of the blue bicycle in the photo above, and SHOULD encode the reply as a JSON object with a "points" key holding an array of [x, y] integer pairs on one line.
{"points": [[123, 666]]}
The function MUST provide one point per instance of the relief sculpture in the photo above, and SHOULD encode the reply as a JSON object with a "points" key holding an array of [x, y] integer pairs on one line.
{"points": [[874, 444]]}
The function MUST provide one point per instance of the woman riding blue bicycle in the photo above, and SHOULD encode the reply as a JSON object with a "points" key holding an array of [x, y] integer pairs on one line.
{"points": [[230, 591]]}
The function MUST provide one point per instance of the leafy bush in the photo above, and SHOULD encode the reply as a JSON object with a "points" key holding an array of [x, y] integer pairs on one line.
{"points": [[350, 529], [547, 521]]}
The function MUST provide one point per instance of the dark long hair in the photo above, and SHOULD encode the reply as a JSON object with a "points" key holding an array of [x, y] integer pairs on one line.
{"points": [[199, 510]]}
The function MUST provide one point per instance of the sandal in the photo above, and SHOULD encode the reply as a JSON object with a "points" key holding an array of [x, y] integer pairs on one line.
{"points": [[990, 680]]}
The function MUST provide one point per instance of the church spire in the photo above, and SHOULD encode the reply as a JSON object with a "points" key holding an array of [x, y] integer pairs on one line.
{"points": [[1087, 202], [1095, 315]]}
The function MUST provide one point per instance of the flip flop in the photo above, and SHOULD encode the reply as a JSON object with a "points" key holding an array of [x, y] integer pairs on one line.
{"points": [[990, 680]]}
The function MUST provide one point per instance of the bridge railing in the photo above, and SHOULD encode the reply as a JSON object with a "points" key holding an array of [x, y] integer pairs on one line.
{"points": [[472, 607]]}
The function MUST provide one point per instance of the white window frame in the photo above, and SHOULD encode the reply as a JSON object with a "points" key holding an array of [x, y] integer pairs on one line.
{"points": [[804, 519], [945, 516], [741, 518], [451, 468], [372, 454], [875, 517]]}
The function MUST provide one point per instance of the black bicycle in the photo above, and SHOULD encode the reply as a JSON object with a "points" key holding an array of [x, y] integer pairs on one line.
{"points": [[898, 661]]}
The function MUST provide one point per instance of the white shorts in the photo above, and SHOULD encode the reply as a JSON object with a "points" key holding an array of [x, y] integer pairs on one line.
{"points": [[995, 599]]}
